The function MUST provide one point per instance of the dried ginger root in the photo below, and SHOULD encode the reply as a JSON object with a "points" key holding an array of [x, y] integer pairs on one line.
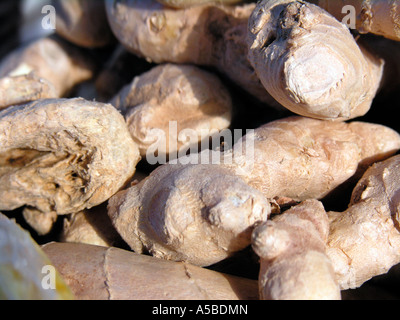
{"points": [[175, 212], [193, 98], [292, 248], [51, 59], [380, 17], [62, 156], [90, 226], [24, 89], [93, 226], [196, 213], [209, 35], [98, 273], [203, 213], [364, 240], [83, 22], [309, 62], [302, 158]]}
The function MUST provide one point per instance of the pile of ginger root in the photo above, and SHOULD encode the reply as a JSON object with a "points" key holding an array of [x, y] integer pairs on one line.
{"points": [[224, 149]]}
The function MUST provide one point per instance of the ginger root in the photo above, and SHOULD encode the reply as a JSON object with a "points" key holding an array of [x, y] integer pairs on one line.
{"points": [[62, 156], [380, 17], [90, 226], [364, 240], [196, 213], [52, 59], [208, 35], [309, 62], [176, 97], [302, 158], [292, 248], [83, 22], [24, 89], [98, 273], [203, 213]]}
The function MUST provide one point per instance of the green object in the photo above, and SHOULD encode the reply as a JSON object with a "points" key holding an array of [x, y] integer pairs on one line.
{"points": [[26, 273]]}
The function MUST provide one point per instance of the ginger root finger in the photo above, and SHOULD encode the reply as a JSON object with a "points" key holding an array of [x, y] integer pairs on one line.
{"points": [[200, 214], [380, 17], [52, 59], [169, 99], [63, 155], [83, 22], [303, 158], [90, 226], [309, 62], [294, 264], [207, 35], [178, 213], [98, 273], [364, 240], [24, 89]]}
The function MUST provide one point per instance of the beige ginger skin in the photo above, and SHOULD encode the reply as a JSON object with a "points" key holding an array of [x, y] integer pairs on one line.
{"points": [[52, 59], [93, 226], [196, 213], [381, 17], [23, 89], [303, 158], [202, 64], [90, 226], [309, 62], [83, 22], [203, 213], [208, 35], [62, 156], [186, 95], [364, 240], [99, 273], [292, 248]]}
